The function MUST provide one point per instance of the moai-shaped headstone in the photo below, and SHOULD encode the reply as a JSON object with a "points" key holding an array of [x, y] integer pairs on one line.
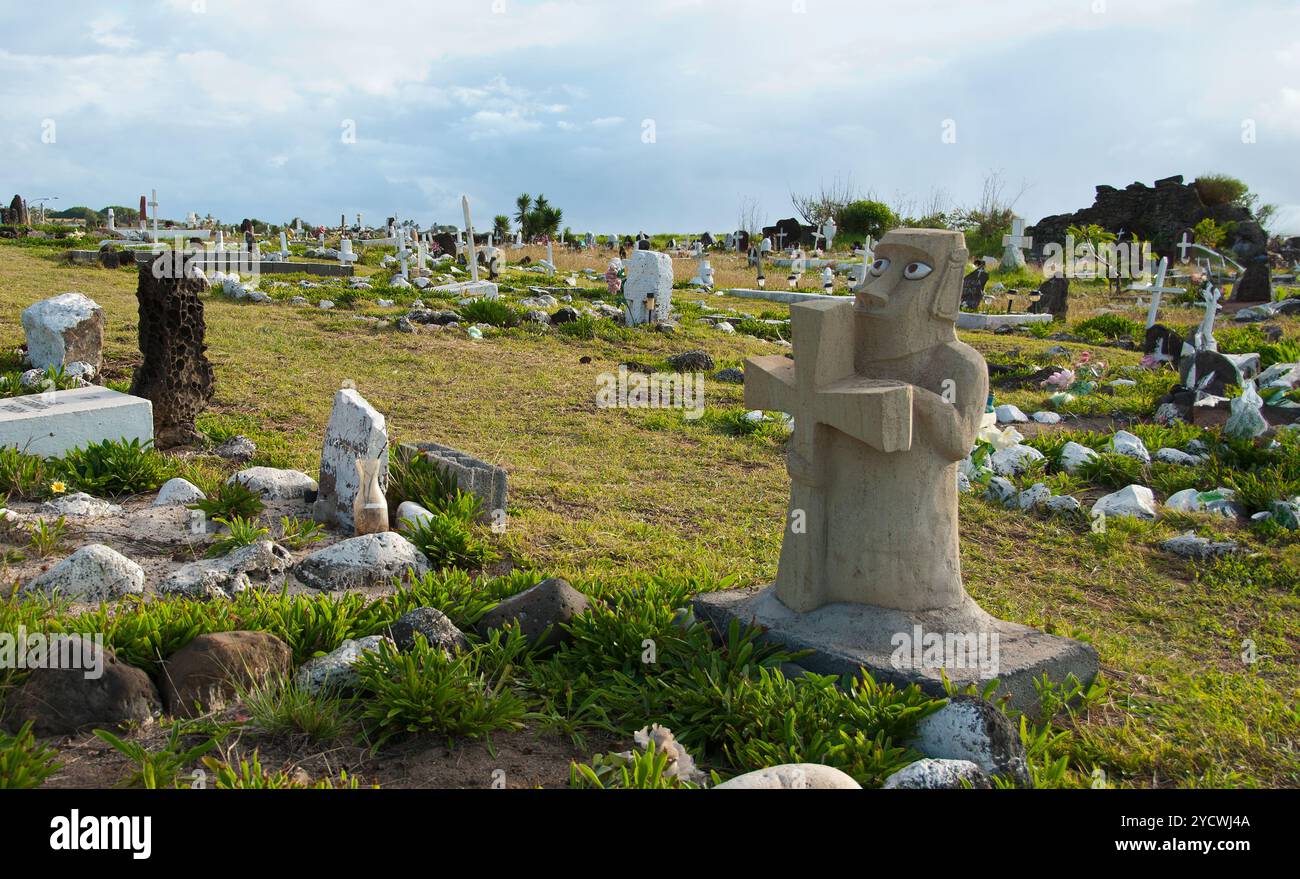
{"points": [[886, 401], [175, 374], [648, 287], [1254, 285], [64, 329], [356, 430]]}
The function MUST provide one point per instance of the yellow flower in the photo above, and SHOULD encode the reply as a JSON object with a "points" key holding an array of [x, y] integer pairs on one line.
{"points": [[58, 487]]}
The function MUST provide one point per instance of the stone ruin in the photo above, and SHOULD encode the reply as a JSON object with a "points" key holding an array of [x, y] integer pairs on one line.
{"points": [[175, 374], [1157, 214]]}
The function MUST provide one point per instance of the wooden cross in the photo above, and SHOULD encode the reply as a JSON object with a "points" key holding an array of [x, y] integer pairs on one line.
{"points": [[824, 393]]}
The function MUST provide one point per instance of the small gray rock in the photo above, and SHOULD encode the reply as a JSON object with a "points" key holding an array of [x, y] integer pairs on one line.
{"points": [[276, 484], [793, 776], [80, 504], [730, 375], [970, 728], [433, 624], [361, 562], [544, 606], [1189, 546], [337, 670], [931, 774], [691, 361], [178, 492], [239, 449]]}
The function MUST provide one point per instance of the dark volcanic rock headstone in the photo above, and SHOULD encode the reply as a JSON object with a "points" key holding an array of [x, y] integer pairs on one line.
{"points": [[59, 701], [1254, 285], [1169, 343], [1053, 298], [972, 288], [17, 215], [1219, 370], [175, 375]]}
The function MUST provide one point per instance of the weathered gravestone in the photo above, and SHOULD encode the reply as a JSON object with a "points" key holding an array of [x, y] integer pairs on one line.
{"points": [[886, 401], [356, 430], [49, 424], [175, 374], [648, 287], [64, 329], [1254, 285], [1053, 298], [1163, 344], [972, 288]]}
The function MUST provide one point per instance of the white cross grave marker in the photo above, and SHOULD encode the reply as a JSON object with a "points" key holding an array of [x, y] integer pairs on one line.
{"points": [[1014, 243]]}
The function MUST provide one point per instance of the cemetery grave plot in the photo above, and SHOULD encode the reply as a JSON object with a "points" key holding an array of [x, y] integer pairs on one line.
{"points": [[607, 499]]}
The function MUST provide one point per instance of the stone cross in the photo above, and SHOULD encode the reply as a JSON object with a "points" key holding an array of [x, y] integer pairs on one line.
{"points": [[825, 391], [154, 205], [1210, 297], [1185, 242], [828, 230], [1014, 243], [471, 256]]}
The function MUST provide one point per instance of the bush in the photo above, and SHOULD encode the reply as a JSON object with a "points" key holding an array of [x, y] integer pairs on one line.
{"points": [[447, 540], [114, 467], [861, 218], [231, 500], [490, 311], [243, 532], [21, 475], [1109, 328], [424, 690]]}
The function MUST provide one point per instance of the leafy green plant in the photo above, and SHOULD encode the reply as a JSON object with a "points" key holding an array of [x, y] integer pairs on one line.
{"points": [[249, 775], [425, 691], [46, 536], [114, 467], [24, 762], [297, 533], [229, 500], [420, 479], [281, 707], [243, 532], [160, 769], [490, 311], [645, 770], [1109, 328], [447, 540], [21, 475]]}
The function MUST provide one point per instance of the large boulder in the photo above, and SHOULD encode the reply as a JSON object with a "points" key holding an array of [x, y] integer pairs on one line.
{"points": [[59, 701], [361, 562], [93, 573], [63, 329], [207, 674], [539, 610]]}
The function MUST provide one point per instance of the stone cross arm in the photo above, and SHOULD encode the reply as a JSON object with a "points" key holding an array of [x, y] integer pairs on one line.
{"points": [[878, 413]]}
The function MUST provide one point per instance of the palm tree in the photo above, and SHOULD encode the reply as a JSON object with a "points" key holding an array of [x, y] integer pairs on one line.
{"points": [[500, 228], [523, 203]]}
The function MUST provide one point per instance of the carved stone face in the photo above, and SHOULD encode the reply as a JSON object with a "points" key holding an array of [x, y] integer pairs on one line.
{"points": [[916, 277]]}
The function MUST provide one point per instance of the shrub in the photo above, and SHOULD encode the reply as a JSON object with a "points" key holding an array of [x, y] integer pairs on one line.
{"points": [[420, 479], [113, 467], [231, 500], [297, 533], [1109, 328], [447, 540], [490, 311], [243, 532], [425, 691], [281, 707]]}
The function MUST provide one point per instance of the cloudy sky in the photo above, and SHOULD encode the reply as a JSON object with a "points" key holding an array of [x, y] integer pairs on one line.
{"points": [[660, 115]]}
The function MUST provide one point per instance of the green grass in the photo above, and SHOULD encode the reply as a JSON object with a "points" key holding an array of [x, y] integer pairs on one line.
{"points": [[607, 498]]}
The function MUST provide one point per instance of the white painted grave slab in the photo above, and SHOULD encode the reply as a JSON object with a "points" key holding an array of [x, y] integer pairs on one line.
{"points": [[51, 424]]}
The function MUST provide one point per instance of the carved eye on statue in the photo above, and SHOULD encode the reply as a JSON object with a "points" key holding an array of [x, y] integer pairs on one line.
{"points": [[879, 267], [916, 271]]}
